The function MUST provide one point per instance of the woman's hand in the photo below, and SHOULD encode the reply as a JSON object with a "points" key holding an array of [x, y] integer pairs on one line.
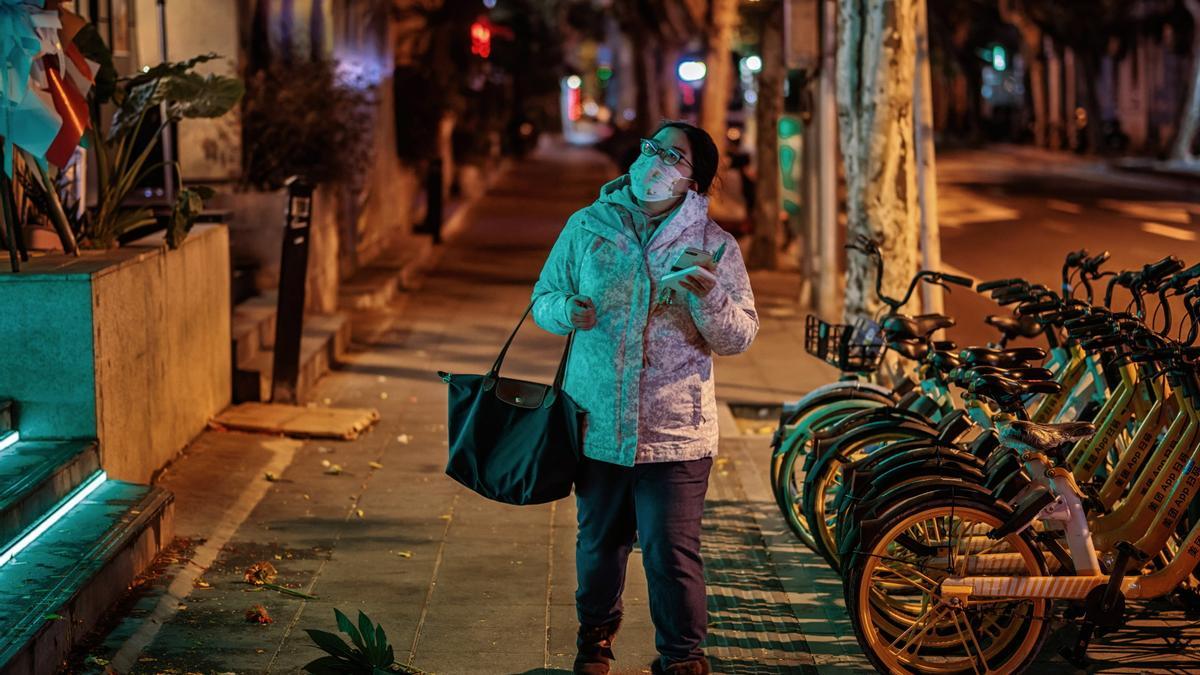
{"points": [[700, 282], [582, 311]]}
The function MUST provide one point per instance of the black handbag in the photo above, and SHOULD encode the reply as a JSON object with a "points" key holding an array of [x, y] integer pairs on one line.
{"points": [[514, 441]]}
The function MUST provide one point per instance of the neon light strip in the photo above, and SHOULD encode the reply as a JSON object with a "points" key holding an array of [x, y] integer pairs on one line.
{"points": [[10, 440], [61, 510]]}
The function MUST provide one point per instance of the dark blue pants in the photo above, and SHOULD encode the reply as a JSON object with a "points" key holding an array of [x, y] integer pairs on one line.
{"points": [[661, 504]]}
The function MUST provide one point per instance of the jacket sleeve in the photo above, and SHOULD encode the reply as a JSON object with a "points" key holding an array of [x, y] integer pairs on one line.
{"points": [[726, 316], [557, 282]]}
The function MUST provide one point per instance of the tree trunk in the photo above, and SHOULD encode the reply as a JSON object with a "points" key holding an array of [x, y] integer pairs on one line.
{"points": [[646, 77], [1091, 97], [764, 248], [1031, 47], [718, 80], [876, 54], [1189, 121], [1071, 95], [931, 245], [1054, 94], [668, 91]]}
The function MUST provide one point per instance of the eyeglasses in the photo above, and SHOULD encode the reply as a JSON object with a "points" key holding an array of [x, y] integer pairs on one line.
{"points": [[670, 156]]}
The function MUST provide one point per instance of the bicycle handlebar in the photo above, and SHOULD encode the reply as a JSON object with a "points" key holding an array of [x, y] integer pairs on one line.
{"points": [[985, 286]]}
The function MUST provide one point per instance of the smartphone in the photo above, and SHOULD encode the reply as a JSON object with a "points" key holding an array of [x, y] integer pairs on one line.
{"points": [[691, 256]]}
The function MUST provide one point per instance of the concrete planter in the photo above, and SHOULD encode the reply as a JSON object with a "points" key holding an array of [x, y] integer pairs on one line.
{"points": [[130, 346]]}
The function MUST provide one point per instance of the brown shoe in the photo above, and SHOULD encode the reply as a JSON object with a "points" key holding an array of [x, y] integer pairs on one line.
{"points": [[698, 666], [594, 645]]}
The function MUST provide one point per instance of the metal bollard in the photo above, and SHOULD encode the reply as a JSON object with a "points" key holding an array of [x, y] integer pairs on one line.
{"points": [[289, 312]]}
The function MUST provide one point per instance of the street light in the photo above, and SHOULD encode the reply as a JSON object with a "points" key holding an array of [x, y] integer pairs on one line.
{"points": [[573, 82], [753, 63], [692, 71]]}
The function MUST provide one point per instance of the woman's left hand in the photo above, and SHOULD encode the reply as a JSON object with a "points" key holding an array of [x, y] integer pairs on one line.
{"points": [[699, 282]]}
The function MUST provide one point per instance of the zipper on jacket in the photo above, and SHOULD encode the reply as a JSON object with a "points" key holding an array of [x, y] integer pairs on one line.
{"points": [[649, 311]]}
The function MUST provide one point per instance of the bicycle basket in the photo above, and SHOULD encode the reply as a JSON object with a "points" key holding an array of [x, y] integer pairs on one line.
{"points": [[858, 348]]}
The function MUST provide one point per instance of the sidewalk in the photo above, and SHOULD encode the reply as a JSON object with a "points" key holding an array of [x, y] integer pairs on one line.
{"points": [[463, 585]]}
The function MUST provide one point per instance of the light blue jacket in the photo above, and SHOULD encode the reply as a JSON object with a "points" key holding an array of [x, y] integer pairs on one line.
{"points": [[644, 375]]}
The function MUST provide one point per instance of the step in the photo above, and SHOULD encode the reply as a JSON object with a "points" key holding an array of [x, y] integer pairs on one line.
{"points": [[77, 570], [252, 326], [322, 345], [36, 475], [395, 269]]}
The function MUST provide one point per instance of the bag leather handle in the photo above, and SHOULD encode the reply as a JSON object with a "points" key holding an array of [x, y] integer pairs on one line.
{"points": [[494, 373]]}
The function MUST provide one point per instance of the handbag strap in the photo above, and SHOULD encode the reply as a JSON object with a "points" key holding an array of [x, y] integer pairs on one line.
{"points": [[562, 365]]}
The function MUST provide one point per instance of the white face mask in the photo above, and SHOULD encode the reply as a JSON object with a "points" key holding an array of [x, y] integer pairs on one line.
{"points": [[651, 180]]}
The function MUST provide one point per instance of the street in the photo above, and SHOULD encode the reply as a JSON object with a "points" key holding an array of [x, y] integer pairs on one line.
{"points": [[1017, 213], [465, 586]]}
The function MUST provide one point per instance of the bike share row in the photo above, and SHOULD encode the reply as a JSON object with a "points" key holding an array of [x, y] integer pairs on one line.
{"points": [[987, 483]]}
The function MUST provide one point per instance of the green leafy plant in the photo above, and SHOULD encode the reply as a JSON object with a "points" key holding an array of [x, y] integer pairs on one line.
{"points": [[122, 164], [307, 118], [370, 653]]}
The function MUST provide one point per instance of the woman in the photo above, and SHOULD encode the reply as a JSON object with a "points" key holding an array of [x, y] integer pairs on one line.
{"points": [[642, 368]]}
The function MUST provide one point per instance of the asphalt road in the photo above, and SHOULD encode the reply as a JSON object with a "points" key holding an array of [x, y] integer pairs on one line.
{"points": [[1013, 212]]}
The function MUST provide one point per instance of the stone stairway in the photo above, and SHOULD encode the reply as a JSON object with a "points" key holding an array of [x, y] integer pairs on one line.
{"points": [[71, 541], [323, 342]]}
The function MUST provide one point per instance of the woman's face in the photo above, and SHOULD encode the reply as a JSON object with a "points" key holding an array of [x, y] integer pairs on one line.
{"points": [[672, 137]]}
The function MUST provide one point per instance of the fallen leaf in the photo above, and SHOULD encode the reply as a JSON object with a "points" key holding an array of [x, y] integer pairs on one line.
{"points": [[381, 378], [324, 450], [404, 554], [53, 617], [375, 465], [307, 497], [445, 516], [383, 395], [258, 614], [260, 573], [200, 583], [278, 557], [403, 439], [270, 476], [334, 469], [95, 661], [359, 513], [325, 463]]}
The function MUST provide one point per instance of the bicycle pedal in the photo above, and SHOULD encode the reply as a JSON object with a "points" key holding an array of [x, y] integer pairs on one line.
{"points": [[1076, 653]]}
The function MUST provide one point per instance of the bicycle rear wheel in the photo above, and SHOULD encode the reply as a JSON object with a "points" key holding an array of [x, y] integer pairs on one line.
{"points": [[905, 625]]}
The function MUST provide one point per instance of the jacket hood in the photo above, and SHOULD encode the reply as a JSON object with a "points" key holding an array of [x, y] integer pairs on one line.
{"points": [[617, 195]]}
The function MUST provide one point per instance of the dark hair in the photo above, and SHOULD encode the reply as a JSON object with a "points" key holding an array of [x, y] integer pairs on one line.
{"points": [[705, 155]]}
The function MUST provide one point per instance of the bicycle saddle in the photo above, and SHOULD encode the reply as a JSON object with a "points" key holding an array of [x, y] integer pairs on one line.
{"points": [[1014, 327], [900, 327], [912, 349], [1016, 356], [1042, 437], [944, 361], [1000, 387], [1026, 373]]}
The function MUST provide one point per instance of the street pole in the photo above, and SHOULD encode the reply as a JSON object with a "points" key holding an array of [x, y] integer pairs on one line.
{"points": [[826, 136], [168, 152]]}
